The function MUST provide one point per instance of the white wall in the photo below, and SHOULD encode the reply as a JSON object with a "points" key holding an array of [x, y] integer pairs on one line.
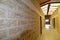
{"points": [[16, 16]]}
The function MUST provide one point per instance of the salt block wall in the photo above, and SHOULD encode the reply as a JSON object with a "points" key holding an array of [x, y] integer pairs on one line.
{"points": [[16, 16]]}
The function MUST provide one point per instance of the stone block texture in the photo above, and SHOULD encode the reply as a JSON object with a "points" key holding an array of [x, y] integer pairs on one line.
{"points": [[17, 16]]}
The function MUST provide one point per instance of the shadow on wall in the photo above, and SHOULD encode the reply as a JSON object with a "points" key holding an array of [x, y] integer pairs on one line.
{"points": [[28, 35]]}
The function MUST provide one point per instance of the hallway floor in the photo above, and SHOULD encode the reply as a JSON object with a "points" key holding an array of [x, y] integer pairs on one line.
{"points": [[50, 34]]}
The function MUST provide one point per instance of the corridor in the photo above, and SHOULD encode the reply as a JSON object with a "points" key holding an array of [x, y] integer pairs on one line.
{"points": [[29, 19]]}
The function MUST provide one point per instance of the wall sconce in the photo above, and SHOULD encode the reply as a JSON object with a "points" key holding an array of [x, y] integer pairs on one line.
{"points": [[49, 6]]}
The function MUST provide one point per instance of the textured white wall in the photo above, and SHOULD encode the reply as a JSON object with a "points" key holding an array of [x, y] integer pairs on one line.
{"points": [[17, 16]]}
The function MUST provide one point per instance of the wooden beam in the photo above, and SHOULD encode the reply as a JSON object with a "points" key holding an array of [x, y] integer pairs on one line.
{"points": [[54, 2], [48, 8], [47, 3], [44, 3]]}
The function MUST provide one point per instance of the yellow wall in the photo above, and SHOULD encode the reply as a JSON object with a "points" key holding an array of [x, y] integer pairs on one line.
{"points": [[58, 21], [56, 15]]}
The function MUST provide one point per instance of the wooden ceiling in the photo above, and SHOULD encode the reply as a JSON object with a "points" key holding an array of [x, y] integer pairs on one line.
{"points": [[43, 1]]}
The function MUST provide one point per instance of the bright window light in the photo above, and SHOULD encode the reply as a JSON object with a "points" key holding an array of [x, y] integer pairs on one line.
{"points": [[47, 20], [52, 10], [44, 6], [53, 7], [55, 4], [47, 26], [45, 12], [44, 9]]}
